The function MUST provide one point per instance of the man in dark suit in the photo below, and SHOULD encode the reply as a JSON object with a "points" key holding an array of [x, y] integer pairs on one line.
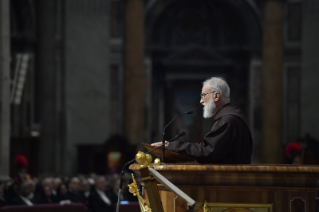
{"points": [[99, 200], [85, 191], [23, 191], [74, 190]]}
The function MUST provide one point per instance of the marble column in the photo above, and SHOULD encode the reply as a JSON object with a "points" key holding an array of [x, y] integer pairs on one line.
{"points": [[134, 72], [4, 89], [272, 103]]}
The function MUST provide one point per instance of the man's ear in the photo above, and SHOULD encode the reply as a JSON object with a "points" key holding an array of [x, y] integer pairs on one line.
{"points": [[216, 96]]}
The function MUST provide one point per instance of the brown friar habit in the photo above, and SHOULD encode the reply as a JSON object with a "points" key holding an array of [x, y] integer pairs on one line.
{"points": [[228, 142]]}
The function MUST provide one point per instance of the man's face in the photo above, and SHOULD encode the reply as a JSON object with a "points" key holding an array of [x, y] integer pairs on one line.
{"points": [[101, 184], [47, 191], [47, 182], [85, 186], [25, 189], [74, 184], [31, 185], [207, 101]]}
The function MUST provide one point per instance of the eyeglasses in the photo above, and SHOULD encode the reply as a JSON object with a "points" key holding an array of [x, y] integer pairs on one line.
{"points": [[203, 95]]}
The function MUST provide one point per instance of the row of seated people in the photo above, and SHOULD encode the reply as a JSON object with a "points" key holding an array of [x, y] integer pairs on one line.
{"points": [[98, 193]]}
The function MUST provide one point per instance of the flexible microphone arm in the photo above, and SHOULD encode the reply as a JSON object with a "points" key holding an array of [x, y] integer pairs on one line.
{"points": [[132, 161], [163, 141]]}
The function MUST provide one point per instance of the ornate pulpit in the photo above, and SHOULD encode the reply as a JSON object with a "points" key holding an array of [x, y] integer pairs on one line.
{"points": [[262, 188]]}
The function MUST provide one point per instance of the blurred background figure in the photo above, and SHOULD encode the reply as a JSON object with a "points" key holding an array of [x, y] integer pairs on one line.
{"points": [[85, 190], [125, 194], [62, 192], [99, 200], [47, 182], [21, 164], [45, 196], [23, 191], [56, 182], [2, 200], [32, 186], [74, 190], [293, 152]]}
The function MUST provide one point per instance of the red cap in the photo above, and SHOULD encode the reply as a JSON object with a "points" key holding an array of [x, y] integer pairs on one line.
{"points": [[292, 146], [20, 160]]}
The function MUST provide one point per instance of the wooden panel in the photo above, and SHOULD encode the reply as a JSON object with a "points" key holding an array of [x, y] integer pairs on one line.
{"points": [[249, 184], [171, 201], [235, 207]]}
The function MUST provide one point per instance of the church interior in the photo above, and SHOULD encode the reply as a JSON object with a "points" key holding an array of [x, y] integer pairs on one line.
{"points": [[85, 83]]}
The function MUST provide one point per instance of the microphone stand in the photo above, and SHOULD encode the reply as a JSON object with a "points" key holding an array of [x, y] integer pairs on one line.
{"points": [[163, 141], [132, 161]]}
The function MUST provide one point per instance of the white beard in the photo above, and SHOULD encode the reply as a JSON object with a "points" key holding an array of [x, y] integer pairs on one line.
{"points": [[209, 108]]}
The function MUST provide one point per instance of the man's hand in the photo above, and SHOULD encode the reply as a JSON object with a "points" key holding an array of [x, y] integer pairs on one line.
{"points": [[160, 143]]}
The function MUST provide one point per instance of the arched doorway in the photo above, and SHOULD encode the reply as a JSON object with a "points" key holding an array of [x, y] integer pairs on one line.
{"points": [[190, 41]]}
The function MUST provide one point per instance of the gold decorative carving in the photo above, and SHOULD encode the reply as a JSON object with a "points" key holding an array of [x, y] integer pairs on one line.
{"points": [[205, 208], [236, 207], [144, 205]]}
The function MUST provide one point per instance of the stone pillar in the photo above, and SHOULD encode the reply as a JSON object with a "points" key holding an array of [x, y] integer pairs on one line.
{"points": [[272, 103], [4, 89], [134, 72], [310, 69], [87, 77], [48, 71]]}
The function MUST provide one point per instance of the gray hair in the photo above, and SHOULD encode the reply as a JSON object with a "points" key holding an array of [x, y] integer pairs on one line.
{"points": [[219, 84]]}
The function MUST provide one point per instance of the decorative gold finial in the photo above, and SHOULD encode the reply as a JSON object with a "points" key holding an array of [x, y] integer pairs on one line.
{"points": [[144, 159], [140, 157], [157, 161], [148, 160]]}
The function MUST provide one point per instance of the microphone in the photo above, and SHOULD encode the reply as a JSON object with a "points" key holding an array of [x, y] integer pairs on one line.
{"points": [[189, 112], [163, 145], [177, 136], [131, 161]]}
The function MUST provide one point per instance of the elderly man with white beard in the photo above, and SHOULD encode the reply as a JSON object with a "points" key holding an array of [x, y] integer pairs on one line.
{"points": [[229, 141]]}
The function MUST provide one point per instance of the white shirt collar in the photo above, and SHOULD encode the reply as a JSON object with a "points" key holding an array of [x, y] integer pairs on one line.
{"points": [[87, 194], [104, 197], [26, 200]]}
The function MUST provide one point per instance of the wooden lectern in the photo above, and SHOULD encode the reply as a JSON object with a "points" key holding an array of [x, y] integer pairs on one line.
{"points": [[269, 188]]}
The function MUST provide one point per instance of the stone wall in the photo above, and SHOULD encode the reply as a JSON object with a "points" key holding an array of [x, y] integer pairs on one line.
{"points": [[87, 75]]}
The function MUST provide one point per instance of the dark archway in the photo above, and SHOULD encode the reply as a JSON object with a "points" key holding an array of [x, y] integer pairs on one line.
{"points": [[189, 41]]}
